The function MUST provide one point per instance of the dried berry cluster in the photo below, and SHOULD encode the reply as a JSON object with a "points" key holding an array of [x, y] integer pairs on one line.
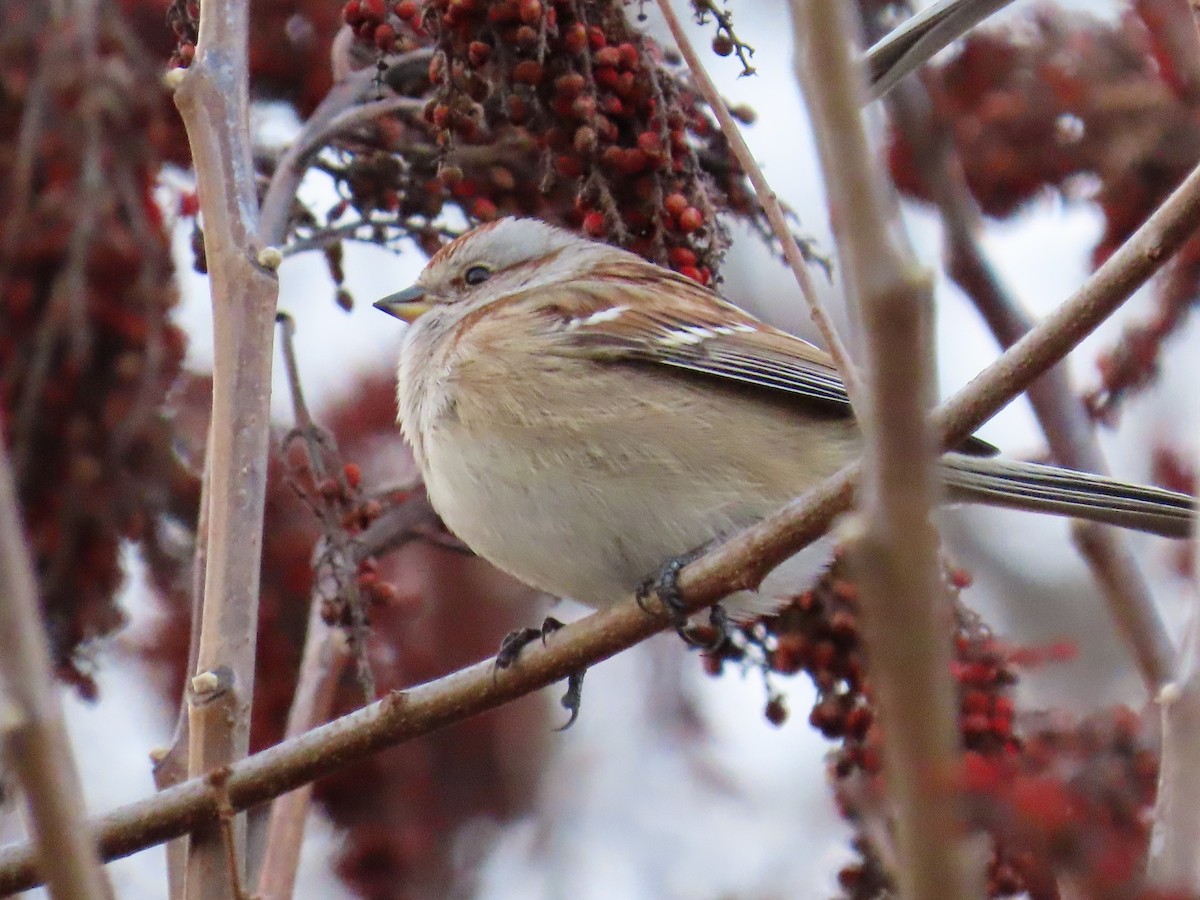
{"points": [[1088, 110], [1056, 797], [86, 349], [560, 109]]}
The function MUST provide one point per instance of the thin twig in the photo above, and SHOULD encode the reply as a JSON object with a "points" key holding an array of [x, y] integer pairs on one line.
{"points": [[768, 200], [338, 557], [739, 564], [169, 765], [213, 100], [32, 733], [324, 660], [905, 613], [1069, 431], [1173, 863], [336, 113]]}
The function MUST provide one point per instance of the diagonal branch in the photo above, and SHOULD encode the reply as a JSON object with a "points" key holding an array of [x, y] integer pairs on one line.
{"points": [[767, 198], [1069, 430], [738, 564]]}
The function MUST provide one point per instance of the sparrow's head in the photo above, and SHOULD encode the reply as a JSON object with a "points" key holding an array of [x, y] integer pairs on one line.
{"points": [[494, 261]]}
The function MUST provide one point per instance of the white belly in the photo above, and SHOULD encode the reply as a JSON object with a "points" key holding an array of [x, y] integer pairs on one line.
{"points": [[594, 535]]}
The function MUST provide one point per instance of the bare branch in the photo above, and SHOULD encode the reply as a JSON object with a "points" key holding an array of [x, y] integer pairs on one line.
{"points": [[766, 197], [213, 99], [1069, 430], [905, 613], [738, 564], [32, 733], [325, 657], [341, 109]]}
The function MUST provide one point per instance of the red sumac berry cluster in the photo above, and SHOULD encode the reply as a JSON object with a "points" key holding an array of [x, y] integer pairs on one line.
{"points": [[554, 108]]}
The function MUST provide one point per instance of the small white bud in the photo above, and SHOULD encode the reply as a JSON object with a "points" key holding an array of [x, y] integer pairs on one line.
{"points": [[270, 258], [205, 683]]}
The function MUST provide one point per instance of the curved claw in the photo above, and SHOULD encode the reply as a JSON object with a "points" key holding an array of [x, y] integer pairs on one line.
{"points": [[573, 697]]}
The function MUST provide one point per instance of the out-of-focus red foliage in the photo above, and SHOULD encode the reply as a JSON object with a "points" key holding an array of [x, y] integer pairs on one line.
{"points": [[1058, 797], [1063, 103], [401, 809], [86, 349]]}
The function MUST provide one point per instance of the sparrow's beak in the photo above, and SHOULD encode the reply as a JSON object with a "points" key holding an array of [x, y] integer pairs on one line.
{"points": [[406, 304]]}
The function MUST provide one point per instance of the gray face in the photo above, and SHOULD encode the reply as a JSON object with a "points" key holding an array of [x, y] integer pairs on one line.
{"points": [[493, 261]]}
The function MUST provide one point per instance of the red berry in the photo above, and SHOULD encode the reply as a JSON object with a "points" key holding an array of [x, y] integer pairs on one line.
{"points": [[352, 13], [385, 36], [570, 85], [189, 203], [484, 209], [632, 161], [680, 257], [407, 9], [608, 56], [690, 220], [629, 56], [353, 474], [593, 224], [575, 39], [478, 53], [585, 139], [531, 12], [527, 71], [606, 76], [722, 45], [568, 165], [675, 204], [596, 37], [691, 272]]}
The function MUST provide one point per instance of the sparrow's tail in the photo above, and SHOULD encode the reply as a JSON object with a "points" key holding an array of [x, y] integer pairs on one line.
{"points": [[1065, 492]]}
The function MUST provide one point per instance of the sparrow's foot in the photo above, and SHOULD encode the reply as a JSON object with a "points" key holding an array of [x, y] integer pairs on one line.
{"points": [[516, 641], [665, 585]]}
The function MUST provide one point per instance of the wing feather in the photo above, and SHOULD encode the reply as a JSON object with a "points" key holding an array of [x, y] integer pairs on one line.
{"points": [[705, 335]]}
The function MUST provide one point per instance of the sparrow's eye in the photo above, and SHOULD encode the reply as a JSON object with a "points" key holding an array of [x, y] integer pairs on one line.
{"points": [[477, 275]]}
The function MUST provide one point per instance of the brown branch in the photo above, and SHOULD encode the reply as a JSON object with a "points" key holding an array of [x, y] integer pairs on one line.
{"points": [[739, 564], [32, 733], [324, 660], [766, 197], [170, 765], [213, 100], [905, 614], [337, 558], [337, 112], [1069, 431]]}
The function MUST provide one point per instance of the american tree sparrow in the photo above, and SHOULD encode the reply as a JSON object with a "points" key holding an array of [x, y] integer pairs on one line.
{"points": [[581, 416]]}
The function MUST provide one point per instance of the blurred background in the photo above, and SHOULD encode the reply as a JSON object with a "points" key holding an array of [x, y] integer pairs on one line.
{"points": [[673, 783]]}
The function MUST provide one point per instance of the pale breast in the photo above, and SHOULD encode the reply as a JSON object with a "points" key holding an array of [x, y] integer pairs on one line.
{"points": [[582, 482]]}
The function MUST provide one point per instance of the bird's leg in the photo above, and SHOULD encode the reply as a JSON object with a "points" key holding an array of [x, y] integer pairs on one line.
{"points": [[515, 641], [665, 585]]}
